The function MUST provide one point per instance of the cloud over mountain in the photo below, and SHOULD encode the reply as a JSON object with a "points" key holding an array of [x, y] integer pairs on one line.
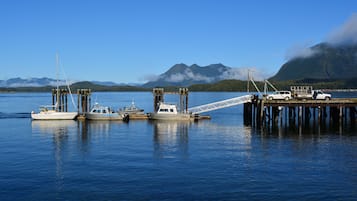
{"points": [[187, 74], [345, 34], [183, 75], [242, 74], [300, 51]]}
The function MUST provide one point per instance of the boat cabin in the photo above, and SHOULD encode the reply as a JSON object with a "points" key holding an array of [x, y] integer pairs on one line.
{"points": [[101, 109], [165, 108]]}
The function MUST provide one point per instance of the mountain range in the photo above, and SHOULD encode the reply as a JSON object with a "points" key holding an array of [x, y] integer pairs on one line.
{"points": [[41, 82], [184, 75], [31, 82], [178, 75]]}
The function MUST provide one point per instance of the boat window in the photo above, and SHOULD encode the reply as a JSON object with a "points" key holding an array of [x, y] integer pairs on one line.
{"points": [[171, 110], [94, 110]]}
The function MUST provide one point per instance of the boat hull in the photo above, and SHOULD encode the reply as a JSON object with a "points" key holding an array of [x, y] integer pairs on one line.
{"points": [[54, 115], [171, 117], [107, 116]]}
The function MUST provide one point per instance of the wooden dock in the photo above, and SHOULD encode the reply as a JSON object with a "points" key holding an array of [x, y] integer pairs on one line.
{"points": [[270, 113]]}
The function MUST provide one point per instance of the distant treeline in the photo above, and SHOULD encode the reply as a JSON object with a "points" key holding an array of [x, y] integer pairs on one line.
{"points": [[225, 85]]}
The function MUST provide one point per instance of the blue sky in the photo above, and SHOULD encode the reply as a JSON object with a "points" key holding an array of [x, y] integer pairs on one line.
{"points": [[131, 41]]}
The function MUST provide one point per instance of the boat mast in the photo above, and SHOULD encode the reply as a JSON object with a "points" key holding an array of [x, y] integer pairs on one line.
{"points": [[57, 83]]}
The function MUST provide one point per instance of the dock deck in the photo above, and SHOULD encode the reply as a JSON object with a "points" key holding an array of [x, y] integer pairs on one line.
{"points": [[347, 102]]}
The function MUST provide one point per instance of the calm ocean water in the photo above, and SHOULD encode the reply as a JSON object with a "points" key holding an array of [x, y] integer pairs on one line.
{"points": [[217, 159]]}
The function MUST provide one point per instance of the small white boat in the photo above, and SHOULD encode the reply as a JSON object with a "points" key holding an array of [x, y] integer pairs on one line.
{"points": [[131, 109], [99, 112], [169, 112], [48, 113]]}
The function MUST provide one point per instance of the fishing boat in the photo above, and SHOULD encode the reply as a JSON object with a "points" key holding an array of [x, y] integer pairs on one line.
{"points": [[53, 112], [131, 109], [99, 112], [168, 111]]}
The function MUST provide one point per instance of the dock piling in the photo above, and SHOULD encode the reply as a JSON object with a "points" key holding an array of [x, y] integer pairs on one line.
{"points": [[300, 113], [84, 100], [158, 97]]}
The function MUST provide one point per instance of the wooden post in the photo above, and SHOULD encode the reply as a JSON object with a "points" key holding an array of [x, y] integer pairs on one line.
{"points": [[53, 100], [260, 113], [183, 92], [158, 97], [254, 105], [78, 98], [268, 115], [286, 116], [66, 103], [84, 100], [89, 104], [275, 116], [353, 115], [300, 115], [340, 119], [307, 115], [247, 113]]}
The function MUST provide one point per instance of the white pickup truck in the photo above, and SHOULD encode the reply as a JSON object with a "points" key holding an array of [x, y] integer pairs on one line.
{"points": [[319, 95], [306, 92]]}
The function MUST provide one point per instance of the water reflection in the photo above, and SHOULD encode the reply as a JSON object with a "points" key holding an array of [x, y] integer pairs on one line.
{"points": [[234, 133], [315, 129], [71, 137], [76, 131], [57, 128], [98, 128], [170, 139], [60, 130]]}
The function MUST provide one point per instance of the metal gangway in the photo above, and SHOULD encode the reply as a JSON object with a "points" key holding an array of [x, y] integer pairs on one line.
{"points": [[220, 104]]}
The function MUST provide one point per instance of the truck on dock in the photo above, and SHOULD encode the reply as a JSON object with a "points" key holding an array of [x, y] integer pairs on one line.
{"points": [[306, 92]]}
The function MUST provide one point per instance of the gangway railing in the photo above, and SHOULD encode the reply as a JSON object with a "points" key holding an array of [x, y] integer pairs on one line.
{"points": [[220, 104]]}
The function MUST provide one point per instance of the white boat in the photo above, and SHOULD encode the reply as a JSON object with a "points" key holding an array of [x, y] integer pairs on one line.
{"points": [[47, 113], [99, 112], [52, 112], [131, 109], [169, 112]]}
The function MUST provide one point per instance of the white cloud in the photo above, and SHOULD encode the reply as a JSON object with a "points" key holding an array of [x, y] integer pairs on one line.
{"points": [[149, 78], [242, 74], [300, 51], [187, 75], [346, 34], [235, 73], [178, 77]]}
